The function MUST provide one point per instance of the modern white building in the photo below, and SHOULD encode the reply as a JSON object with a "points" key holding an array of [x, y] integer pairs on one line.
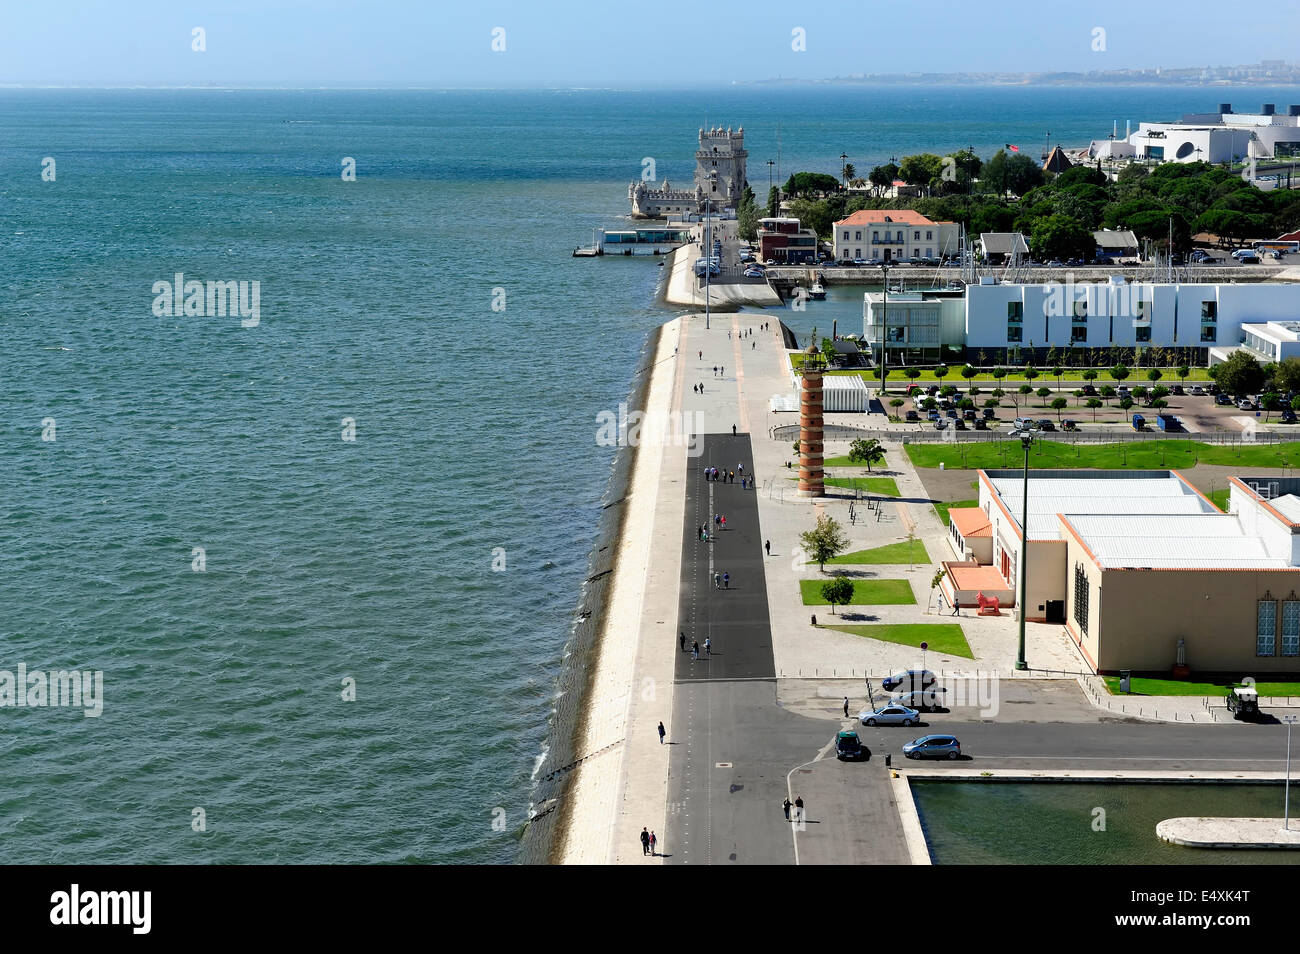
{"points": [[1118, 313], [1220, 136], [1270, 341], [920, 327]]}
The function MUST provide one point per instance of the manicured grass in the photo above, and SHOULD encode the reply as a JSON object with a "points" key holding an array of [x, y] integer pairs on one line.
{"points": [[942, 508], [945, 638], [885, 486], [843, 461], [865, 592], [1220, 498], [1153, 454], [897, 381], [1179, 687], [896, 553]]}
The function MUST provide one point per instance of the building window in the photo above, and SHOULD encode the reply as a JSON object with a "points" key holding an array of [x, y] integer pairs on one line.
{"points": [[1014, 332], [1143, 333], [857, 236], [1015, 311], [1209, 310], [846, 235], [1208, 333], [1079, 333], [929, 235], [916, 236], [1081, 597], [1265, 627], [875, 236], [1291, 627]]}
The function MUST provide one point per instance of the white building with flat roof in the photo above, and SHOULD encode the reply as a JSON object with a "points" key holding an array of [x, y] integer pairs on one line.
{"points": [[1220, 136]]}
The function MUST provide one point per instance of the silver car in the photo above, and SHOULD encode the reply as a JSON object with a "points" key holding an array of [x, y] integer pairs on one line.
{"points": [[933, 747], [889, 715], [923, 699]]}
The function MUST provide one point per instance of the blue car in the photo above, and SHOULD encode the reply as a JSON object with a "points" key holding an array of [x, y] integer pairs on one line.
{"points": [[933, 747]]}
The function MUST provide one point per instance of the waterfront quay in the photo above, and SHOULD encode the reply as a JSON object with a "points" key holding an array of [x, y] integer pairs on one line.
{"points": [[753, 721]]}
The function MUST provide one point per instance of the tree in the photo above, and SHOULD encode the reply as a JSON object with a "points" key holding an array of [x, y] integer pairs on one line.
{"points": [[824, 541], [1139, 393], [867, 451], [924, 170], [1025, 391], [1118, 373], [809, 183], [1057, 371], [1044, 394], [1090, 375], [1240, 374], [999, 374], [1270, 402], [882, 177], [969, 374], [1094, 403], [912, 373], [1058, 405], [747, 216], [1030, 372], [934, 583], [838, 592], [1107, 392], [941, 372], [773, 201], [1287, 374], [1058, 236], [848, 172], [896, 403], [1125, 403], [1154, 375], [1183, 371]]}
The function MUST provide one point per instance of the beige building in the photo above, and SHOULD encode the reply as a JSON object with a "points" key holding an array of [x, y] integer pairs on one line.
{"points": [[1134, 564], [892, 235]]}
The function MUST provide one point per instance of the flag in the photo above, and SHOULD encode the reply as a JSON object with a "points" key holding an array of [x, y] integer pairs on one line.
{"points": [[1013, 148]]}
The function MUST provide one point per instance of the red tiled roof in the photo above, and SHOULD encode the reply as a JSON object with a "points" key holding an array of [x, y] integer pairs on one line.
{"points": [[982, 578], [892, 216], [970, 521]]}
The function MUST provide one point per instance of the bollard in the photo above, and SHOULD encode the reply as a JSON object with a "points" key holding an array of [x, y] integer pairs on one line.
{"points": [[888, 759]]}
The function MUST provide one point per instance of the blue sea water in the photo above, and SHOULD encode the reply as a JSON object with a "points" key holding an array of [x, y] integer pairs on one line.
{"points": [[330, 560]]}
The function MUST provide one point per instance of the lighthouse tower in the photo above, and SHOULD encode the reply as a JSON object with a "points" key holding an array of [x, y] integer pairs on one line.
{"points": [[811, 473]]}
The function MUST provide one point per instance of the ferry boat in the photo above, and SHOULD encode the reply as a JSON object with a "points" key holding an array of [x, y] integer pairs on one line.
{"points": [[817, 292]]}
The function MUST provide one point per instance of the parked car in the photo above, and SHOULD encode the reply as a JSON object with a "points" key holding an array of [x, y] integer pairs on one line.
{"points": [[1288, 416], [1069, 425], [940, 423], [1023, 422], [911, 679], [1198, 390], [1222, 399], [1246, 404], [932, 415], [981, 424], [1088, 390], [1046, 425], [925, 700], [959, 424], [848, 747], [1177, 389], [969, 414], [913, 416], [889, 715], [933, 747], [755, 273]]}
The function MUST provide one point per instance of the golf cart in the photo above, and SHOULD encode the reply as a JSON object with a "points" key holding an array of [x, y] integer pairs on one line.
{"points": [[1243, 702]]}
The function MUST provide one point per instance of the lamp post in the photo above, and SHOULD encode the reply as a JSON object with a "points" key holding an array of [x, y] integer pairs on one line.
{"points": [[1286, 798], [1026, 435], [884, 333], [844, 159]]}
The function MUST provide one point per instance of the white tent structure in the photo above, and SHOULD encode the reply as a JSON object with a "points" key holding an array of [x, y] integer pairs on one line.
{"points": [[844, 392]]}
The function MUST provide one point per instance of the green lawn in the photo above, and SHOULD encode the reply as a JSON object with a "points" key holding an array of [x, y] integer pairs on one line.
{"points": [[1220, 498], [885, 486], [1179, 687], [1153, 454], [865, 592], [843, 461], [945, 638], [897, 381], [942, 508], [895, 553]]}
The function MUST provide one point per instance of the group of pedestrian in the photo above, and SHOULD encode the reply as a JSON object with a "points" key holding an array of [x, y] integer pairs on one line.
{"points": [[698, 388], [719, 371], [648, 842], [703, 533], [720, 521], [725, 476], [722, 581], [797, 805]]}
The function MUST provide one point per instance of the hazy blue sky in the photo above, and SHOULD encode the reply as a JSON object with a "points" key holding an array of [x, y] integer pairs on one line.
{"points": [[611, 44]]}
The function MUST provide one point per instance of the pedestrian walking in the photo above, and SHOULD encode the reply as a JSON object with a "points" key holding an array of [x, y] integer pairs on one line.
{"points": [[715, 370], [661, 725], [733, 430], [708, 646], [846, 715], [753, 345], [701, 355], [653, 842], [645, 841], [798, 807], [767, 545], [785, 806], [717, 581], [724, 523], [722, 369], [726, 581], [681, 641], [740, 468], [695, 648]]}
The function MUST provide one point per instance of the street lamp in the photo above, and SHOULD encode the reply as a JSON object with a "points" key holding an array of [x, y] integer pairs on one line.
{"points": [[1026, 435], [844, 159], [1286, 798], [884, 333]]}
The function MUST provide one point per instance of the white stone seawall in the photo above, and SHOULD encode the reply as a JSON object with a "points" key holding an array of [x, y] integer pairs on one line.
{"points": [[682, 288], [591, 808]]}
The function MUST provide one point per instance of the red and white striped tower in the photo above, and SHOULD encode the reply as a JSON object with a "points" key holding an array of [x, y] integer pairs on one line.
{"points": [[811, 473]]}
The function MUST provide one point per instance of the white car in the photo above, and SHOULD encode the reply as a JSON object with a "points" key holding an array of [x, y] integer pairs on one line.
{"points": [[889, 715]]}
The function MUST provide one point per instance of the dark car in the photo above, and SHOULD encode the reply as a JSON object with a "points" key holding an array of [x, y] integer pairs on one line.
{"points": [[913, 416], [969, 414], [848, 747], [1046, 425], [1088, 390], [1177, 389], [940, 424], [959, 424], [981, 424], [1222, 399], [906, 681], [1069, 425]]}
